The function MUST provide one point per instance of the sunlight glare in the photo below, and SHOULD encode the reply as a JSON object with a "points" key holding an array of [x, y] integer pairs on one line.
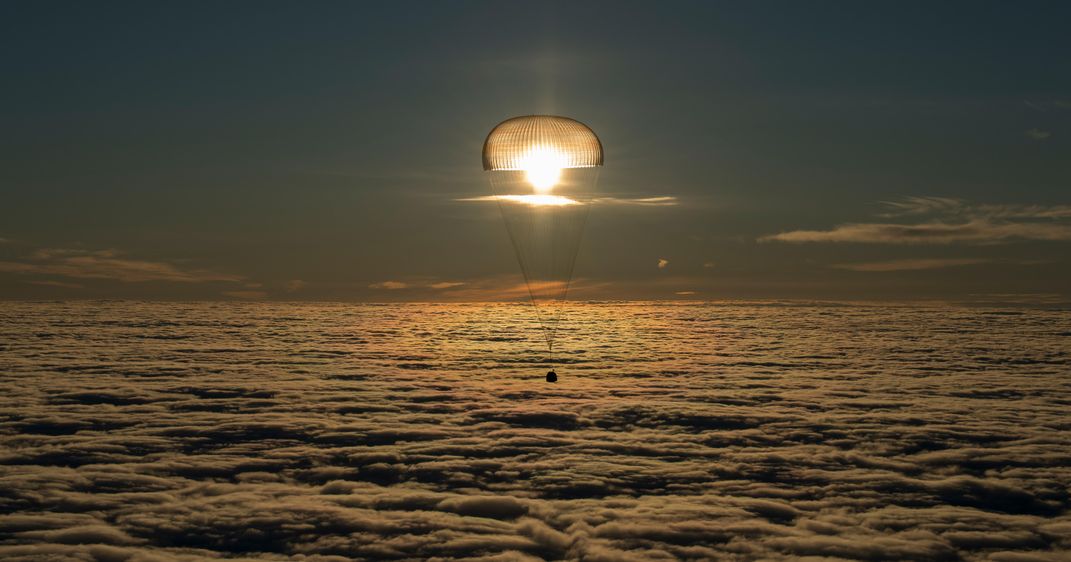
{"points": [[543, 167], [538, 200]]}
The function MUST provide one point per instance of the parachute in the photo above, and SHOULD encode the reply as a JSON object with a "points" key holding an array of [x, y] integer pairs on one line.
{"points": [[543, 170]]}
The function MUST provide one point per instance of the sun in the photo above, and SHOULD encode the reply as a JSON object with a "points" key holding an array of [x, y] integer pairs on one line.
{"points": [[543, 167]]}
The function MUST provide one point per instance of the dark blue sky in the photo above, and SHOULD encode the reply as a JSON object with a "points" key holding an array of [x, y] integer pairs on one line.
{"points": [[317, 150]]}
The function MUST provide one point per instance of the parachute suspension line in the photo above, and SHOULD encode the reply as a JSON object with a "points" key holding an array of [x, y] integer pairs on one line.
{"points": [[518, 233]]}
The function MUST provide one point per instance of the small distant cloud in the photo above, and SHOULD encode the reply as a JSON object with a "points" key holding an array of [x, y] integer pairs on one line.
{"points": [[389, 285], [295, 285], [398, 285], [250, 295], [684, 293], [56, 284], [1034, 105], [1038, 134], [708, 265], [4, 240], [911, 264], [253, 285], [1019, 298], [662, 263], [446, 284], [1046, 105]]}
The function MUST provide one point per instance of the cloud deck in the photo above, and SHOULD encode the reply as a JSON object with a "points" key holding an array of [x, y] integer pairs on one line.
{"points": [[411, 432]]}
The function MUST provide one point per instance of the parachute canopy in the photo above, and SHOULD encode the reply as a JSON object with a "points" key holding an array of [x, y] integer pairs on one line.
{"points": [[543, 171], [514, 143]]}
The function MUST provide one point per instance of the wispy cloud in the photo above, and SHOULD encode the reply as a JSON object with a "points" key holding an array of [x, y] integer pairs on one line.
{"points": [[684, 293], [109, 264], [911, 264], [664, 201], [977, 231], [295, 285], [398, 285], [1019, 298], [495, 289], [389, 285], [1046, 105], [952, 207], [446, 285], [921, 206], [507, 288], [59, 284], [251, 295], [948, 221], [1038, 134]]}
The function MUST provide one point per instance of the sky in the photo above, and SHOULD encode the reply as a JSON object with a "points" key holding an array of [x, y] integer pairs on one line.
{"points": [[294, 151]]}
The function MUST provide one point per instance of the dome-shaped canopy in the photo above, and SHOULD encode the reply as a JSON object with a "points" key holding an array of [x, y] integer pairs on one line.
{"points": [[513, 141]]}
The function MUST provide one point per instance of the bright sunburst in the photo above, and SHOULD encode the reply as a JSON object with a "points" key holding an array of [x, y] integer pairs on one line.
{"points": [[541, 200], [543, 167]]}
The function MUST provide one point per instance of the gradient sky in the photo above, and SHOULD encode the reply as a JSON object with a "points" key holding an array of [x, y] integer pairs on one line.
{"points": [[908, 150]]}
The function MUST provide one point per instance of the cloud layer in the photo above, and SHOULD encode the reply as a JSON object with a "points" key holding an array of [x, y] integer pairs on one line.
{"points": [[425, 432]]}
